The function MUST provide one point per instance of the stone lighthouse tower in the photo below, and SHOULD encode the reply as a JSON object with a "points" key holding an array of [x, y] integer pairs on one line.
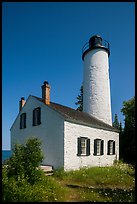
{"points": [[96, 85]]}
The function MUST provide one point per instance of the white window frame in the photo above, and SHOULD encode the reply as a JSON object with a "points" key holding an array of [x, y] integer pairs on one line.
{"points": [[98, 147], [83, 146], [111, 146]]}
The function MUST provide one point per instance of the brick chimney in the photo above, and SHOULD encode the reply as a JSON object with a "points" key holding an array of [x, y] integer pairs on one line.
{"points": [[46, 93], [21, 103]]}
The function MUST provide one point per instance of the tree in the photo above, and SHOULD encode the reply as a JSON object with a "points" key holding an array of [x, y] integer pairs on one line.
{"points": [[128, 137], [120, 127], [121, 146], [129, 113], [25, 161], [80, 100], [116, 124]]}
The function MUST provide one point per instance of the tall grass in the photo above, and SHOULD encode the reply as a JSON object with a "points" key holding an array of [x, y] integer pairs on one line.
{"points": [[116, 176], [46, 189], [101, 184], [97, 184]]}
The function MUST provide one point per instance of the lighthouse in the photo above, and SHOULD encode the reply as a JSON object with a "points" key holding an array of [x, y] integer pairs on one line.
{"points": [[96, 83]]}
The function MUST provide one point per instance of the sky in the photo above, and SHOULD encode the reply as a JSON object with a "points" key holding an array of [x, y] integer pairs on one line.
{"points": [[42, 41]]}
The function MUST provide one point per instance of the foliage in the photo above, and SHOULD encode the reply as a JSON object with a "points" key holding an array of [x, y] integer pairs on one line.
{"points": [[80, 100], [100, 184], [108, 195], [128, 111], [45, 189], [114, 176], [25, 161], [23, 180], [97, 184], [127, 139], [120, 127], [116, 123]]}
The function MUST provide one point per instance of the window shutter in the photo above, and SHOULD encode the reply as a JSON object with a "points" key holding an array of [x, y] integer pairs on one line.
{"points": [[24, 120], [102, 147], [95, 147], [113, 147], [33, 121], [39, 116], [109, 147], [20, 121], [79, 146], [88, 147]]}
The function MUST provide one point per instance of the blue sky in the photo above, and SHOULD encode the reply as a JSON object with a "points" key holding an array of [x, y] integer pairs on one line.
{"points": [[43, 41]]}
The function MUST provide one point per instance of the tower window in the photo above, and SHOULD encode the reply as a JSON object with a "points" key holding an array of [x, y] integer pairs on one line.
{"points": [[83, 146], [37, 116], [111, 147], [98, 147], [23, 121]]}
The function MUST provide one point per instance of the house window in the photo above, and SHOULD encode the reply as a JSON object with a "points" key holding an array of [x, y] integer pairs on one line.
{"points": [[111, 147], [37, 116], [98, 147], [83, 146], [23, 121]]}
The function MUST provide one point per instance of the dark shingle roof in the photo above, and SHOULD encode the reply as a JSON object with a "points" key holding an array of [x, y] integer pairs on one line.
{"points": [[79, 117]]}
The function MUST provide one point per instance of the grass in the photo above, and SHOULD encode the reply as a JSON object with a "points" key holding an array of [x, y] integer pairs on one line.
{"points": [[45, 189], [99, 184]]}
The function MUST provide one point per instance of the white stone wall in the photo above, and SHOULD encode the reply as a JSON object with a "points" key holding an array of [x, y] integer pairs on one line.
{"points": [[50, 132], [72, 132], [96, 85], [59, 138]]}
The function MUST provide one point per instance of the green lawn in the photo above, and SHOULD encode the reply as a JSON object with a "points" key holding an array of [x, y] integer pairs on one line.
{"points": [[98, 184]]}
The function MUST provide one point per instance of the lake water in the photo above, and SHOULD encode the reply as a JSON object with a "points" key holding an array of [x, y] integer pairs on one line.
{"points": [[6, 154]]}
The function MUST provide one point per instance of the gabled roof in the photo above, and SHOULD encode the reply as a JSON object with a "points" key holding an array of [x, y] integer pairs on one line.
{"points": [[79, 117]]}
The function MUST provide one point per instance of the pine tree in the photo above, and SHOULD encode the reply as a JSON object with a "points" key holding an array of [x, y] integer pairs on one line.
{"points": [[120, 127], [116, 123], [80, 100], [128, 138], [121, 141]]}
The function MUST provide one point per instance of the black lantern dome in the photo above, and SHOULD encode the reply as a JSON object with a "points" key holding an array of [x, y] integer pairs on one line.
{"points": [[95, 42]]}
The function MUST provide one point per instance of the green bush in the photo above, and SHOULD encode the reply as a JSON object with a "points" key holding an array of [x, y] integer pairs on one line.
{"points": [[25, 161], [46, 189], [24, 181]]}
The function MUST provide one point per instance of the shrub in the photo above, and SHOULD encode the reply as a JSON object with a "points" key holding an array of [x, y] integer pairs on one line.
{"points": [[25, 161], [23, 181], [46, 189]]}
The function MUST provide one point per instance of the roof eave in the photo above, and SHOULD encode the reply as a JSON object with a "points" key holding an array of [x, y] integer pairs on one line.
{"points": [[92, 125]]}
